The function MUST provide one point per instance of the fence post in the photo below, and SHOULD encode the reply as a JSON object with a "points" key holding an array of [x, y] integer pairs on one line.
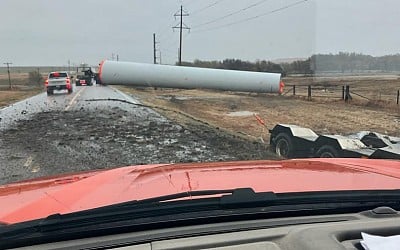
{"points": [[294, 90], [343, 92], [347, 96], [309, 92], [398, 96]]}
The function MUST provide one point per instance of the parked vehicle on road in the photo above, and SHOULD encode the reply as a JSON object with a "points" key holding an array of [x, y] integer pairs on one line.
{"points": [[85, 76], [58, 81]]}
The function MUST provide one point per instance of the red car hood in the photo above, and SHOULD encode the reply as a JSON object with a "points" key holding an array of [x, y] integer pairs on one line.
{"points": [[69, 193]]}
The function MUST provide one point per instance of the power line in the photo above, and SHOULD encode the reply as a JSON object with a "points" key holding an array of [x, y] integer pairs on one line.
{"points": [[181, 26], [8, 71], [231, 14], [253, 17], [206, 7], [154, 49]]}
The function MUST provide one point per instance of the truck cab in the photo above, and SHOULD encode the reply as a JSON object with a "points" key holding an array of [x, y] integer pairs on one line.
{"points": [[85, 76]]}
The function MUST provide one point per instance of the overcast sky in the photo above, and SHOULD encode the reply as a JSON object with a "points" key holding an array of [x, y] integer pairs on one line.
{"points": [[51, 32]]}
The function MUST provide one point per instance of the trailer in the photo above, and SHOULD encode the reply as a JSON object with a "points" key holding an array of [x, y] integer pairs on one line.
{"points": [[292, 141]]}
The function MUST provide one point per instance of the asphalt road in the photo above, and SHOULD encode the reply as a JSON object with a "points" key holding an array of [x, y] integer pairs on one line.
{"points": [[61, 101], [99, 127]]}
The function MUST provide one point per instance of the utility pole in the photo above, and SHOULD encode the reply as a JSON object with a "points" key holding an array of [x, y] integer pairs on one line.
{"points": [[159, 56], [8, 71], [117, 57], [154, 49], [39, 76], [181, 26]]}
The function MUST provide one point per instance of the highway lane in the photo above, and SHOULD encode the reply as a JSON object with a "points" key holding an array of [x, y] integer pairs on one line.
{"points": [[61, 101], [63, 133], [45, 135]]}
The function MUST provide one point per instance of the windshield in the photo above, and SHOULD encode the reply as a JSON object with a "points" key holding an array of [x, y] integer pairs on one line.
{"points": [[175, 96], [57, 74]]}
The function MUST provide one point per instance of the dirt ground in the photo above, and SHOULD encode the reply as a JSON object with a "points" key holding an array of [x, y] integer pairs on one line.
{"points": [[234, 112]]}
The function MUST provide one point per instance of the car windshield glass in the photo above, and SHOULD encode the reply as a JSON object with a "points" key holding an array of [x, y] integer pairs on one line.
{"points": [[56, 75], [108, 101]]}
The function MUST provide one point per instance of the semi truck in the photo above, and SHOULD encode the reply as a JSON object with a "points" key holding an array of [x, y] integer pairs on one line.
{"points": [[292, 141]]}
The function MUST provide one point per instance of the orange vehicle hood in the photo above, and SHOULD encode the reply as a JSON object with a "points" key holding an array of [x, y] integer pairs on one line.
{"points": [[42, 197]]}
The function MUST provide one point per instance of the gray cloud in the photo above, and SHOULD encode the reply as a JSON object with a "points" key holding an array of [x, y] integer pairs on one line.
{"points": [[48, 32]]}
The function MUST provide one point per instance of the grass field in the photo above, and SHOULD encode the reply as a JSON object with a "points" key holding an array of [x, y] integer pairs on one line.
{"points": [[381, 90], [8, 97], [234, 111], [21, 89]]}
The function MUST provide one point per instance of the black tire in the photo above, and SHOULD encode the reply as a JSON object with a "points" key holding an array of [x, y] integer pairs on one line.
{"points": [[283, 145], [328, 151], [69, 91], [50, 92]]}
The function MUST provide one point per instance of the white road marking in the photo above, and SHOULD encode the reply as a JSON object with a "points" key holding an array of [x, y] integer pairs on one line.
{"points": [[72, 102]]}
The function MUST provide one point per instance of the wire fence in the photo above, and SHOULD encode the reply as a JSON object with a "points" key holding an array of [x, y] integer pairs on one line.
{"points": [[345, 93]]}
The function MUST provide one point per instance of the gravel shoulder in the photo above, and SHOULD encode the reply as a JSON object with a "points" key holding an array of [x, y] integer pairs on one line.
{"points": [[69, 141]]}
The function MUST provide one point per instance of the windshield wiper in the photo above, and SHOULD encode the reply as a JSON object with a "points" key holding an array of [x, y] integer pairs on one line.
{"points": [[229, 196]]}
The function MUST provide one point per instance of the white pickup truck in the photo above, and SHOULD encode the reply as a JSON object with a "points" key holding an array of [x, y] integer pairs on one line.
{"points": [[58, 81]]}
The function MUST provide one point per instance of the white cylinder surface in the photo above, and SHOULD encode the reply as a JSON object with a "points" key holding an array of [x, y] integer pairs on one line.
{"points": [[167, 76]]}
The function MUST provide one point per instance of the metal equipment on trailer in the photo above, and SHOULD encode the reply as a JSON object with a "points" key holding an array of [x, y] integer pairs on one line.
{"points": [[291, 141]]}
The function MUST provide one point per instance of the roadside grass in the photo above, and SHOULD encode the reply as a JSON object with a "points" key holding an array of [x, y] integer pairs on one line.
{"points": [[228, 111], [8, 97], [20, 88]]}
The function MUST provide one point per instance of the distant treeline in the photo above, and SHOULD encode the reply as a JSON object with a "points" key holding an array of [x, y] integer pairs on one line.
{"points": [[342, 62], [350, 62]]}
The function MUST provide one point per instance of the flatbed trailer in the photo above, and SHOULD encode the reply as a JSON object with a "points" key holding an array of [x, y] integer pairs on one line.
{"points": [[292, 141]]}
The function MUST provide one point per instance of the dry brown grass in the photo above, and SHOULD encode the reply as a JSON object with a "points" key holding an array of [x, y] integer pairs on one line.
{"points": [[323, 116], [378, 88], [8, 97]]}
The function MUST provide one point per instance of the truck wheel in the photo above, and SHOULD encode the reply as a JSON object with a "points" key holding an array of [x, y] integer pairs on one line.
{"points": [[69, 91], [283, 145], [328, 151], [50, 92]]}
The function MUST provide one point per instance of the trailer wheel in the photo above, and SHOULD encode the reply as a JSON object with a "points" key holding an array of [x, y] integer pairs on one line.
{"points": [[283, 145], [328, 151]]}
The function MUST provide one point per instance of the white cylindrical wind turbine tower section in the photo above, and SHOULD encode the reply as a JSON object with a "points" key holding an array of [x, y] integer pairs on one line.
{"points": [[167, 76]]}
